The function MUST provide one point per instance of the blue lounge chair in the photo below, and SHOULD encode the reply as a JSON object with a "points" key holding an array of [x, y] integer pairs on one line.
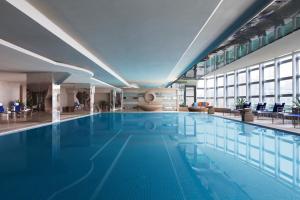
{"points": [[3, 112], [247, 105], [261, 106], [1, 108], [277, 109]]}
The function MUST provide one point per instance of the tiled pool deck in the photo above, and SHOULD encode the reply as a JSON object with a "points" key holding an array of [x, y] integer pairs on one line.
{"points": [[262, 121]]}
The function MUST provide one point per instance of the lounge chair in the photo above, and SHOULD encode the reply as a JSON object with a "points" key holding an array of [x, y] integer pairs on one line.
{"points": [[2, 112], [260, 107], [247, 105], [277, 109]]}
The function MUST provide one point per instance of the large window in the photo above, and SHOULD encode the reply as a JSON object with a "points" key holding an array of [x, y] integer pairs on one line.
{"points": [[285, 68], [190, 96], [220, 91], [254, 85], [210, 89], [269, 84], [242, 89], [201, 90], [230, 90]]}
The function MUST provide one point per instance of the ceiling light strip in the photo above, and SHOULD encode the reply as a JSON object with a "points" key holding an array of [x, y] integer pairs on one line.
{"points": [[195, 38], [32, 54], [41, 19]]}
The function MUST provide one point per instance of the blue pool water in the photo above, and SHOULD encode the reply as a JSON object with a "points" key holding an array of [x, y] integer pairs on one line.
{"points": [[150, 156]]}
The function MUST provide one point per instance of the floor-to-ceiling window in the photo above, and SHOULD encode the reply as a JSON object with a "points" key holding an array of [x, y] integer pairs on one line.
{"points": [[285, 78], [269, 83], [242, 89], [210, 90], [190, 94], [230, 89], [254, 85], [220, 91], [201, 90]]}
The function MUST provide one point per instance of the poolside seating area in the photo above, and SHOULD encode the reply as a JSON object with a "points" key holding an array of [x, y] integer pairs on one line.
{"points": [[277, 115], [14, 111]]}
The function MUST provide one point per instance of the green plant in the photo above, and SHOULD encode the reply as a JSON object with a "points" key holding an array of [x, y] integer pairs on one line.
{"points": [[296, 103], [240, 102], [182, 105]]}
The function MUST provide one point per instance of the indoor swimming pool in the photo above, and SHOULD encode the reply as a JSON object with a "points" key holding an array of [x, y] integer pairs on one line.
{"points": [[157, 156]]}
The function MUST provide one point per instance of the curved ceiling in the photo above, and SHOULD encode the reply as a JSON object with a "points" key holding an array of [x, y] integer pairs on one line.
{"points": [[16, 59], [144, 42]]}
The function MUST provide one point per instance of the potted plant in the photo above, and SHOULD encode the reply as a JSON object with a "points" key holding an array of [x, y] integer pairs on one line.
{"points": [[296, 106], [239, 104]]}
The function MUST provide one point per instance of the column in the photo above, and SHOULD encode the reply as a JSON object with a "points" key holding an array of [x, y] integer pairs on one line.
{"points": [[215, 90], [276, 81], [113, 99], [225, 90], [92, 98], [261, 75], [235, 85], [294, 64], [247, 84], [55, 102]]}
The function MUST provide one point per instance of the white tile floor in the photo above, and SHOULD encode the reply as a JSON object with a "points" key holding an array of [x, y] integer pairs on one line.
{"points": [[267, 122]]}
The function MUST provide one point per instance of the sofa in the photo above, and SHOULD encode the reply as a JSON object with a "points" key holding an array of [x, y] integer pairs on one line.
{"points": [[199, 107]]}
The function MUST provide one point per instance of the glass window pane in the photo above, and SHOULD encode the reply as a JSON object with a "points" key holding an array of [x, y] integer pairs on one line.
{"points": [[285, 70], [220, 81], [270, 102], [269, 88], [230, 91], [254, 89], [254, 102], [230, 103], [189, 91], [285, 86], [210, 83], [210, 93], [220, 92], [189, 100], [220, 102], [269, 73], [288, 102], [254, 76], [200, 83], [242, 78], [230, 79], [242, 90], [200, 93]]}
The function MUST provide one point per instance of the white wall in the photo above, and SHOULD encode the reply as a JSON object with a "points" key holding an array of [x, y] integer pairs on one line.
{"points": [[168, 97], [10, 87]]}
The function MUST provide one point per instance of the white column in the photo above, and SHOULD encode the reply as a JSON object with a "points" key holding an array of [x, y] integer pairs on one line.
{"points": [[215, 90], [92, 98], [276, 81], [225, 90], [261, 75], [247, 84], [205, 89], [114, 100], [294, 64], [235, 85], [55, 102], [122, 100]]}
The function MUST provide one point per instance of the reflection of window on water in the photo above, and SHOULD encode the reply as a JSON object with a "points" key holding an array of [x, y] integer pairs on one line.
{"points": [[274, 154]]}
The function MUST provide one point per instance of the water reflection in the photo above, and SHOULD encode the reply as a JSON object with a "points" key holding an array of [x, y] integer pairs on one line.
{"points": [[269, 153], [213, 157]]}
